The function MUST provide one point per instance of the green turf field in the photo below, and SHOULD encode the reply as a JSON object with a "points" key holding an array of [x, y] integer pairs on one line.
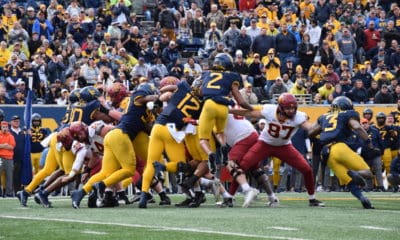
{"points": [[342, 218]]}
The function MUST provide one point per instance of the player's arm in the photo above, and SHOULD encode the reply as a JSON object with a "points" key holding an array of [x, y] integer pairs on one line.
{"points": [[169, 88], [100, 115], [254, 114], [239, 99], [314, 129], [356, 126], [146, 99], [106, 114], [166, 96]]}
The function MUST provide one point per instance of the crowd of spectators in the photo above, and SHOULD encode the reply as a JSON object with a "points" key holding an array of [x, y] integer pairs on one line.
{"points": [[325, 48]]}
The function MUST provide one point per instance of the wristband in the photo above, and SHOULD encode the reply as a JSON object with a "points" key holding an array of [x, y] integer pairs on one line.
{"points": [[104, 109]]}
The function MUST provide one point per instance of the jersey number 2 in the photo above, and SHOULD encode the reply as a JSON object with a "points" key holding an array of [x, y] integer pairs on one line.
{"points": [[215, 77]]}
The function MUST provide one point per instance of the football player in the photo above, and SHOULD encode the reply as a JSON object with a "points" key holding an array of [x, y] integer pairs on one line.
{"points": [[216, 88], [79, 132], [241, 135], [335, 128], [168, 132], [90, 108], [73, 98], [282, 121], [119, 161], [38, 134], [58, 156], [387, 133]]}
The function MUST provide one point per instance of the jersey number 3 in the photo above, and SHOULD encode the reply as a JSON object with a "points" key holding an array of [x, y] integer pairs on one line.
{"points": [[275, 129]]}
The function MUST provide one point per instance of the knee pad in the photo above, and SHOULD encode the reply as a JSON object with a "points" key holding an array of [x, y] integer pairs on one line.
{"points": [[236, 172], [257, 173]]}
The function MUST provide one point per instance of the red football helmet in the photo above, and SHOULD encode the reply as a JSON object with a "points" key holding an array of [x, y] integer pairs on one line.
{"points": [[169, 81], [117, 92], [79, 132], [287, 104], [65, 138]]}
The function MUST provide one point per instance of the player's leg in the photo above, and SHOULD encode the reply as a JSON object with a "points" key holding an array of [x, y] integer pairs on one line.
{"points": [[157, 146], [110, 164], [276, 177], [263, 181], [123, 151], [213, 117], [291, 156], [160, 142], [341, 160], [252, 158], [141, 145], [387, 159], [49, 167]]}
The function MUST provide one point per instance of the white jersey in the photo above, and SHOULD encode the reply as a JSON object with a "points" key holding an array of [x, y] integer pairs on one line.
{"points": [[96, 141], [276, 133], [237, 129], [97, 144]]}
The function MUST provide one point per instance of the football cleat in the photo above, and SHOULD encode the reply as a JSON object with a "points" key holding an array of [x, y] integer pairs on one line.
{"points": [[165, 201], [36, 199], [184, 203], [357, 178], [77, 197], [122, 197], [212, 164], [99, 188], [109, 200], [316, 203], [92, 200], [43, 198], [249, 197], [144, 198], [200, 198], [23, 197], [366, 203], [228, 202], [136, 198], [273, 202]]}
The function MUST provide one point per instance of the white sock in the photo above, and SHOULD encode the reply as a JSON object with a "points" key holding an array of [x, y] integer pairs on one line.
{"points": [[197, 189], [245, 187], [226, 195], [272, 195], [205, 181], [312, 196]]}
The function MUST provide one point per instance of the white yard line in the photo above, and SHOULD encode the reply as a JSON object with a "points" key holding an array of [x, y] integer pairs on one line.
{"points": [[376, 228], [164, 228], [94, 232]]}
